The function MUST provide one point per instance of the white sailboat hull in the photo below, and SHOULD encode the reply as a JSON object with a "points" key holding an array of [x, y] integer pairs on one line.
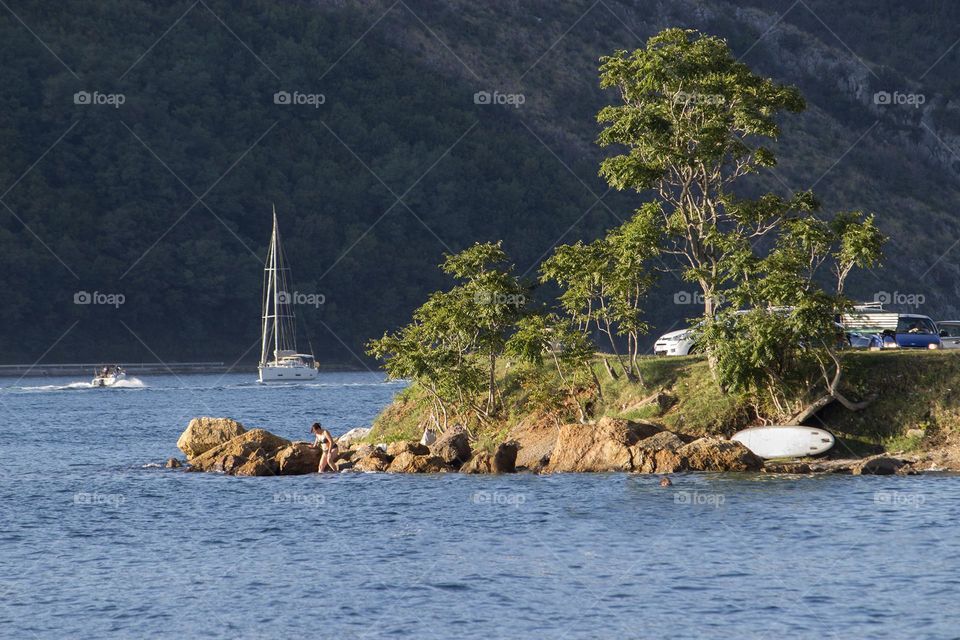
{"points": [[272, 373]]}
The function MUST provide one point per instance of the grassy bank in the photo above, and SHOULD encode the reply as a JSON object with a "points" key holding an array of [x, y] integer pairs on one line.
{"points": [[916, 405]]}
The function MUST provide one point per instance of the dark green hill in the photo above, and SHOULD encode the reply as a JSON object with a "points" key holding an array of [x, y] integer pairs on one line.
{"points": [[166, 198]]}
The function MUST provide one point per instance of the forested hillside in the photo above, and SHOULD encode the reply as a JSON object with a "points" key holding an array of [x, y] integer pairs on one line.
{"points": [[144, 144]]}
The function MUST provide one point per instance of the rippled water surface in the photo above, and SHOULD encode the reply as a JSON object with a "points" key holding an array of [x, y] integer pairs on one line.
{"points": [[97, 541]]}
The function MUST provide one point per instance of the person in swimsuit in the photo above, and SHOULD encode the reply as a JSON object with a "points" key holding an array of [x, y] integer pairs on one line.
{"points": [[328, 448]]}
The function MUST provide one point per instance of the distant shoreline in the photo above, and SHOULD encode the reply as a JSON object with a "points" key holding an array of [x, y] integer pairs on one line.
{"points": [[142, 368]]}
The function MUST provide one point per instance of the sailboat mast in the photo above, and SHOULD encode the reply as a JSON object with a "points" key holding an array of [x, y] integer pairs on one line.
{"points": [[276, 294]]}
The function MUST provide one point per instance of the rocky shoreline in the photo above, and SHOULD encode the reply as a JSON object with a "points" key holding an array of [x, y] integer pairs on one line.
{"points": [[223, 445]]}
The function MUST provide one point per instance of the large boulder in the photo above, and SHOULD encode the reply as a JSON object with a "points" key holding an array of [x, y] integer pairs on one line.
{"points": [[503, 460], [256, 443], [716, 454], [604, 446], [881, 465], [408, 462], [353, 436], [536, 439], [407, 446], [370, 459], [203, 434], [256, 466], [297, 459], [453, 446], [657, 454]]}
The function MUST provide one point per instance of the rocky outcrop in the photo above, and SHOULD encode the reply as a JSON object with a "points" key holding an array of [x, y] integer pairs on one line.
{"points": [[203, 434], [537, 441], [657, 454], [503, 460], [230, 455], [173, 463], [453, 446], [604, 446], [352, 437], [296, 459], [882, 465], [396, 448], [369, 459], [408, 462], [715, 454]]}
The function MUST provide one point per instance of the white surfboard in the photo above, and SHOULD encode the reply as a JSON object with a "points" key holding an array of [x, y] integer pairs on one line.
{"points": [[785, 441]]}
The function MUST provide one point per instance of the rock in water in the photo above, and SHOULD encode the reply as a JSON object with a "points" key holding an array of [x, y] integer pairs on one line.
{"points": [[657, 454], [715, 454], [396, 448], [503, 460], [352, 436], [453, 446], [370, 459], [256, 443], [173, 463], [297, 459], [203, 434], [881, 465], [604, 446], [408, 462]]}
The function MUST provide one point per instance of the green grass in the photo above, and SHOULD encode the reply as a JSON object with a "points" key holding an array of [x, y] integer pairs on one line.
{"points": [[916, 392]]}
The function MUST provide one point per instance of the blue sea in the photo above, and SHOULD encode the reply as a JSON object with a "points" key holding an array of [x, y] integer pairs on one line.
{"points": [[97, 540]]}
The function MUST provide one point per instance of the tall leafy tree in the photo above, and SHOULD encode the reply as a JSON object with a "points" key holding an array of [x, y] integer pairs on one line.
{"points": [[693, 121]]}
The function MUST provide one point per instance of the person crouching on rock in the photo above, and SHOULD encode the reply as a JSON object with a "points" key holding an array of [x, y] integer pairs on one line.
{"points": [[328, 447]]}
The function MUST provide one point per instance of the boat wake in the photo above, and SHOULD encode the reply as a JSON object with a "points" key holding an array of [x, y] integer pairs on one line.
{"points": [[128, 383]]}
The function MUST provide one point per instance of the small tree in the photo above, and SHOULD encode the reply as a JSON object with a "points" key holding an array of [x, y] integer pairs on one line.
{"points": [[785, 345]]}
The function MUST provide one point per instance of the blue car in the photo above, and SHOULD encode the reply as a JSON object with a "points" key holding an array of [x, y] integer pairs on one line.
{"points": [[912, 332]]}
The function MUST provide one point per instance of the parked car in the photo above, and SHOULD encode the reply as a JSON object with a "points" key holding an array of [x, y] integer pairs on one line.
{"points": [[910, 331], [676, 343], [949, 334]]}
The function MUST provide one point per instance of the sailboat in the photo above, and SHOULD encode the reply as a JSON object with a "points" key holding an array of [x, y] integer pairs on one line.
{"points": [[279, 359]]}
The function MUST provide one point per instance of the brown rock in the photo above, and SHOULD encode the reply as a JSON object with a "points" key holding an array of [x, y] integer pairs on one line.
{"points": [[344, 465], [453, 446], [298, 458], [256, 443], [375, 460], [203, 434], [537, 441], [408, 462], [604, 446], [881, 465], [786, 467], [396, 448], [715, 454], [657, 454], [256, 466], [173, 463], [503, 460]]}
